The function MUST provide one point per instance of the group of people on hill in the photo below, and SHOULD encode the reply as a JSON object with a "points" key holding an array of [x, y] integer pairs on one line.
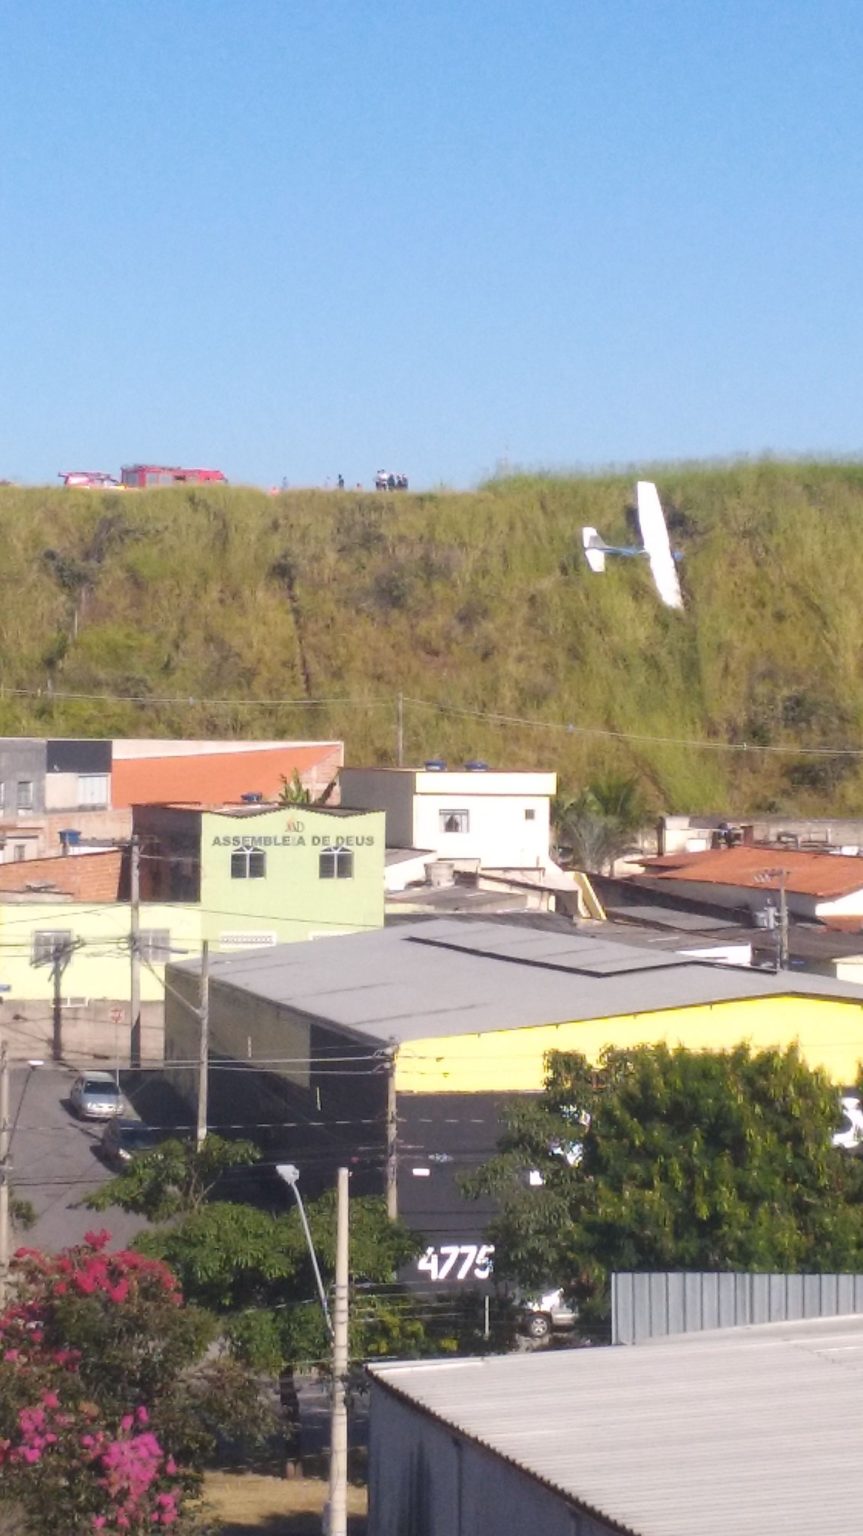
{"points": [[388, 482]]}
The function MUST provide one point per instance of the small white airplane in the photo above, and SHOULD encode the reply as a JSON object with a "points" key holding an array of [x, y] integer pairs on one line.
{"points": [[655, 545]]}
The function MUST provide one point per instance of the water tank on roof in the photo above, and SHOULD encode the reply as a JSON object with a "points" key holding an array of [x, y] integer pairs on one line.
{"points": [[69, 837], [435, 765], [252, 797], [440, 873], [476, 765]]}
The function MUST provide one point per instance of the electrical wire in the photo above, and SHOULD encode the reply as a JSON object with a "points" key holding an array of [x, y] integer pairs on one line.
{"points": [[568, 728]]}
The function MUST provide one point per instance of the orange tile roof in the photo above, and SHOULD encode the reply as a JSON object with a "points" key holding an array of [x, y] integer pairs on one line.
{"points": [[218, 778], [808, 874], [83, 876]]}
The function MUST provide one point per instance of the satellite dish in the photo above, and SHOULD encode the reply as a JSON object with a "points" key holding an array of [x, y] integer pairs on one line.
{"points": [[655, 545]]}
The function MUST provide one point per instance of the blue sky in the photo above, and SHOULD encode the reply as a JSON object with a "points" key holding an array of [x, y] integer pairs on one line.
{"points": [[296, 239]]}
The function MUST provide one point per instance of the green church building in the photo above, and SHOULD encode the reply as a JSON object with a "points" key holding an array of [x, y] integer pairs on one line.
{"points": [[264, 874]]}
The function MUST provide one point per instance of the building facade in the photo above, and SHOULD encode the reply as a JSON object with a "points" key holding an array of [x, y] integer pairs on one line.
{"points": [[474, 818], [400, 1049], [48, 786], [264, 875]]}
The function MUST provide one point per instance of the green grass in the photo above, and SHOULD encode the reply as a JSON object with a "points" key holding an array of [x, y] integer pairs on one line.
{"points": [[479, 601]]}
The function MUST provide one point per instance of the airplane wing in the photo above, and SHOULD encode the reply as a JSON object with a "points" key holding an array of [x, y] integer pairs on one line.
{"points": [[593, 549], [654, 535]]}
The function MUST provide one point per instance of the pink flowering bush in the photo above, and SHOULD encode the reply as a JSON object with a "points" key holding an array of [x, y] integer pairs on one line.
{"points": [[95, 1430]]}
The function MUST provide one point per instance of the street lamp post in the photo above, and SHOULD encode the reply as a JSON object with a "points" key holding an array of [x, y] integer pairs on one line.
{"points": [[290, 1174], [335, 1523]]}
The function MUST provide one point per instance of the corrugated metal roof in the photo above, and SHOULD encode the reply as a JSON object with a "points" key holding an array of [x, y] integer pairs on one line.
{"points": [[724, 1434], [808, 874], [463, 976]]}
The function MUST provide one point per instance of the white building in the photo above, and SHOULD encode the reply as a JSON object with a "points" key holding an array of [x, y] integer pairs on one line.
{"points": [[473, 817]]}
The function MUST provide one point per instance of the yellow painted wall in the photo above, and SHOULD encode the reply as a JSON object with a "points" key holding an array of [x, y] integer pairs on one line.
{"points": [[829, 1032], [99, 967]]}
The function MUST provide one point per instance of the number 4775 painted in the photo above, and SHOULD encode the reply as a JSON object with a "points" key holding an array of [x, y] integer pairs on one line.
{"points": [[457, 1261]]}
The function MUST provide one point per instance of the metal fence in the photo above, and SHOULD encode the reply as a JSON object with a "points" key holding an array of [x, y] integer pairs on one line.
{"points": [[647, 1306]]}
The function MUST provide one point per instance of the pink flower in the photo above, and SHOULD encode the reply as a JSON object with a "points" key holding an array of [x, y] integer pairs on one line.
{"points": [[98, 1239]]}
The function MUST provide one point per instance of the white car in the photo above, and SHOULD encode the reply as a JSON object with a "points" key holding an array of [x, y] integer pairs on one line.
{"points": [[541, 1315], [96, 1096], [850, 1132]]}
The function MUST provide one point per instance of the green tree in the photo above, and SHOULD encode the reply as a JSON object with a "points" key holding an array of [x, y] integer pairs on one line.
{"points": [[175, 1178], [249, 1269], [667, 1158], [597, 826]]}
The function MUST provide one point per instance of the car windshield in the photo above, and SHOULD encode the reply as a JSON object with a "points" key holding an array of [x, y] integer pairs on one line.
{"points": [[107, 1090], [137, 1135]]}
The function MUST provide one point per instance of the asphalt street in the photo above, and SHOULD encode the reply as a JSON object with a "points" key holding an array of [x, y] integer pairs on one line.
{"points": [[55, 1162]]}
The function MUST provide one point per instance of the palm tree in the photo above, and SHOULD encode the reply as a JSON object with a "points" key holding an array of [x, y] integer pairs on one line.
{"points": [[596, 827]]}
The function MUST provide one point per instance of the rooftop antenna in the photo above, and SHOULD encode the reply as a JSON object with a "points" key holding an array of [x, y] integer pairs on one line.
{"points": [[655, 545]]}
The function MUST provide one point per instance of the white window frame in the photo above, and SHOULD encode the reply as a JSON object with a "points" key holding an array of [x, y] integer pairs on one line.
{"points": [[154, 945], [24, 795], [46, 942], [245, 856], [92, 791], [342, 863]]}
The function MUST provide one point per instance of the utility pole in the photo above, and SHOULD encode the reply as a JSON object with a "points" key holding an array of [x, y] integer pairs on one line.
{"points": [[135, 951], [57, 968], [400, 730], [783, 924], [765, 877], [338, 1493], [204, 1044], [392, 1139], [4, 1173]]}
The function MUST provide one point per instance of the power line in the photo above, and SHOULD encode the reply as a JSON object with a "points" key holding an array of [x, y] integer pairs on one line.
{"points": [[186, 699], [568, 728]]}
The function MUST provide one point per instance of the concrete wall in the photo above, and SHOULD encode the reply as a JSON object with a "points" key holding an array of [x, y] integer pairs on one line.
{"points": [[427, 1480], [384, 789], [99, 967], [508, 813], [21, 760], [677, 832], [97, 1033]]}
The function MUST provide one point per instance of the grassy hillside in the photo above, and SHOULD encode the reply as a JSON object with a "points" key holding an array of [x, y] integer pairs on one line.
{"points": [[475, 602]]}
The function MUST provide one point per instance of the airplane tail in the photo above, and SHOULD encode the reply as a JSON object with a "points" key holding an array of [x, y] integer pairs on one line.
{"points": [[594, 549]]}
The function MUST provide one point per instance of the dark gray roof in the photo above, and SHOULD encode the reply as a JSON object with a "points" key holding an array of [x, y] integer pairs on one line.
{"points": [[456, 976], [733, 1433]]}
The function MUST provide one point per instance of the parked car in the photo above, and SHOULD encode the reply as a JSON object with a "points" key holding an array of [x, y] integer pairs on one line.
{"points": [[124, 1139], [96, 1096], [850, 1130], [541, 1315]]}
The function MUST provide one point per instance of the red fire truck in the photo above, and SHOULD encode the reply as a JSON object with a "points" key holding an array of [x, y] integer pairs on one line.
{"points": [[138, 476]]}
